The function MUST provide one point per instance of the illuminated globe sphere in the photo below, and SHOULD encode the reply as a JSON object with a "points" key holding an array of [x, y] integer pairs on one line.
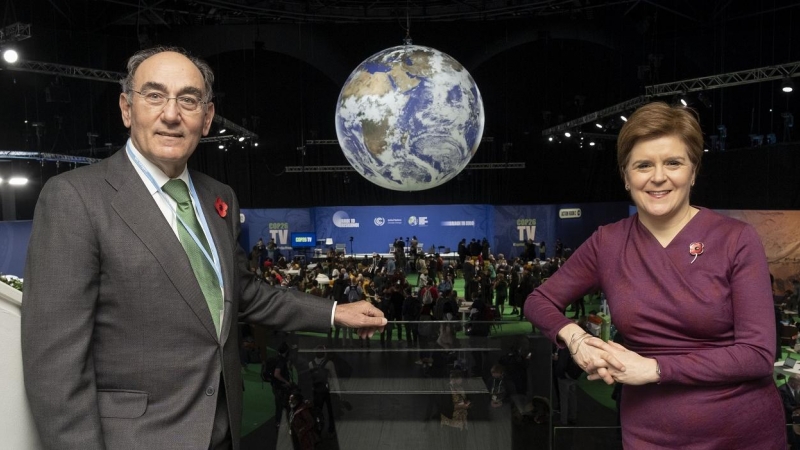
{"points": [[409, 118]]}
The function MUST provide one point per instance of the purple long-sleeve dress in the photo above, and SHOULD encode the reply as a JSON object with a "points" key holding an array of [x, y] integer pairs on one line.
{"points": [[709, 323]]}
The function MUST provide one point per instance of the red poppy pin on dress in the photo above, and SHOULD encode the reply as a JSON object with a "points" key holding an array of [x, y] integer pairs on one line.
{"points": [[222, 207], [696, 248]]}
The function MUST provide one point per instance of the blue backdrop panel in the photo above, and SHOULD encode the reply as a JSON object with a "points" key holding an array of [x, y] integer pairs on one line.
{"points": [[515, 224], [14, 237], [574, 231], [375, 228], [275, 223]]}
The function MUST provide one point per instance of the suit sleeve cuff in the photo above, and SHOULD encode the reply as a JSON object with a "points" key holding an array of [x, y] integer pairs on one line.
{"points": [[333, 311]]}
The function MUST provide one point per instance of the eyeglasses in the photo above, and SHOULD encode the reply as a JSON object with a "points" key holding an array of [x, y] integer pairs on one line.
{"points": [[188, 103]]}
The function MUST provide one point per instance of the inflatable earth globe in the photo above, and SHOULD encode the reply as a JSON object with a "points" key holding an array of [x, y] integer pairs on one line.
{"points": [[409, 118]]}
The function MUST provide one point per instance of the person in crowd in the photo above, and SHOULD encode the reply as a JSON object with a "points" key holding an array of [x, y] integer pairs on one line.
{"points": [[474, 248], [542, 251], [559, 249], [697, 279], [302, 423], [385, 305], [413, 251], [502, 401], [396, 298], [282, 382], [566, 372], [390, 266], [323, 381], [446, 286], [526, 285], [790, 396], [513, 285], [461, 405], [501, 292], [412, 307], [462, 252], [155, 276], [468, 270]]}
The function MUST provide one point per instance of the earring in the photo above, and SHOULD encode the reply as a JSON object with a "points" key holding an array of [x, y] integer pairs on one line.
{"points": [[627, 187]]}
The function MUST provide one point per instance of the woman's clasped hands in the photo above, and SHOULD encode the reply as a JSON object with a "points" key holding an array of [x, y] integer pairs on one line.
{"points": [[636, 369]]}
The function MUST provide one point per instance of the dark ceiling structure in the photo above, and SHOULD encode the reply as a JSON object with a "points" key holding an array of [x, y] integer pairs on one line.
{"points": [[541, 65]]}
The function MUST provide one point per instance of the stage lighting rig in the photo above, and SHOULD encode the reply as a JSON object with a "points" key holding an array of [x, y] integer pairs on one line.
{"points": [[15, 32]]}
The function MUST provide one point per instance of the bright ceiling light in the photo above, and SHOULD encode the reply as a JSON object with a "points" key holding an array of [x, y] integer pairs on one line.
{"points": [[222, 131], [591, 143], [550, 139], [598, 125], [10, 56], [241, 139], [787, 85], [624, 119], [17, 181], [567, 134], [683, 102]]}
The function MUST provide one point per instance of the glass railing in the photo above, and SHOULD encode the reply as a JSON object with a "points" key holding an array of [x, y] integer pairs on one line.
{"points": [[431, 389], [435, 392]]}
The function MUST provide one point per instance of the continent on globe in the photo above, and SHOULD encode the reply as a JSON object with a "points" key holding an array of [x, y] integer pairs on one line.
{"points": [[409, 118]]}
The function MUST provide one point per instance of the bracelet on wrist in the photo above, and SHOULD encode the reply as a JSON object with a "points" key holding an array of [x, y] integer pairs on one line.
{"points": [[580, 339]]}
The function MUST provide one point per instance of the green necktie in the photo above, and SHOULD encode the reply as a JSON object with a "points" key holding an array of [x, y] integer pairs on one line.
{"points": [[202, 268]]}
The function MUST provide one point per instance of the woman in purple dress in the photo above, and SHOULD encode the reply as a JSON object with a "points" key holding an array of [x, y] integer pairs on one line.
{"points": [[690, 291]]}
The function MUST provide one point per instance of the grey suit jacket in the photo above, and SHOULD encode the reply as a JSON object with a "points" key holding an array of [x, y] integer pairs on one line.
{"points": [[119, 348]]}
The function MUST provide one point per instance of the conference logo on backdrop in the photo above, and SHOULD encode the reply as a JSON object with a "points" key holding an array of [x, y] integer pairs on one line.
{"points": [[381, 221], [526, 229], [280, 232], [421, 221], [342, 220]]}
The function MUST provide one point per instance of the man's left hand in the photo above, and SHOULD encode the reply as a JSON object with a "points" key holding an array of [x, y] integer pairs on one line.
{"points": [[362, 316]]}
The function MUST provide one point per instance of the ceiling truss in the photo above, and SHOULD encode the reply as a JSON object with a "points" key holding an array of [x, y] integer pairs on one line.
{"points": [[114, 77], [759, 75]]}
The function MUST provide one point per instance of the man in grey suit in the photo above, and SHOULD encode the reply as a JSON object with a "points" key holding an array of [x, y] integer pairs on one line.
{"points": [[129, 336]]}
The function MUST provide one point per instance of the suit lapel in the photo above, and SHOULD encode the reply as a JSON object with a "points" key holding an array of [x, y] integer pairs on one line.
{"points": [[221, 234], [135, 206]]}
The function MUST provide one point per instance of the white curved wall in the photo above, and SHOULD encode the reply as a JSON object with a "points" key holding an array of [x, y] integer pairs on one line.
{"points": [[17, 429]]}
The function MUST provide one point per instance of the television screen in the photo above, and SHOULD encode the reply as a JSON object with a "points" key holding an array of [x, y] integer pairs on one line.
{"points": [[306, 239]]}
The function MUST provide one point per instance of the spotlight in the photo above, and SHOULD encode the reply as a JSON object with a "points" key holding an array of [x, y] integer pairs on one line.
{"points": [[787, 85], [222, 131], [221, 146], [567, 134], [683, 102], [256, 144], [241, 139], [624, 119], [17, 181], [10, 55], [592, 143], [550, 139], [598, 125]]}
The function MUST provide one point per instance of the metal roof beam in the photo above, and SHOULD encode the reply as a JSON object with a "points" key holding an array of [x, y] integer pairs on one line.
{"points": [[110, 77], [759, 75]]}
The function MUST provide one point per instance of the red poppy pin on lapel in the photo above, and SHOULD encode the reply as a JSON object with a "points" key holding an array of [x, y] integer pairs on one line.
{"points": [[696, 248], [222, 207]]}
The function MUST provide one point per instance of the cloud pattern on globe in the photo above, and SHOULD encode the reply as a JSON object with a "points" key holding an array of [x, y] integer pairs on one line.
{"points": [[409, 118]]}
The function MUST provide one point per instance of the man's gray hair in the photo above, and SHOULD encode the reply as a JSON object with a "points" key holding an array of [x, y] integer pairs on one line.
{"points": [[141, 55]]}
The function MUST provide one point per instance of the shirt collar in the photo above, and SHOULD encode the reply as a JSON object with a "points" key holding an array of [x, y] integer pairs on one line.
{"points": [[158, 175]]}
